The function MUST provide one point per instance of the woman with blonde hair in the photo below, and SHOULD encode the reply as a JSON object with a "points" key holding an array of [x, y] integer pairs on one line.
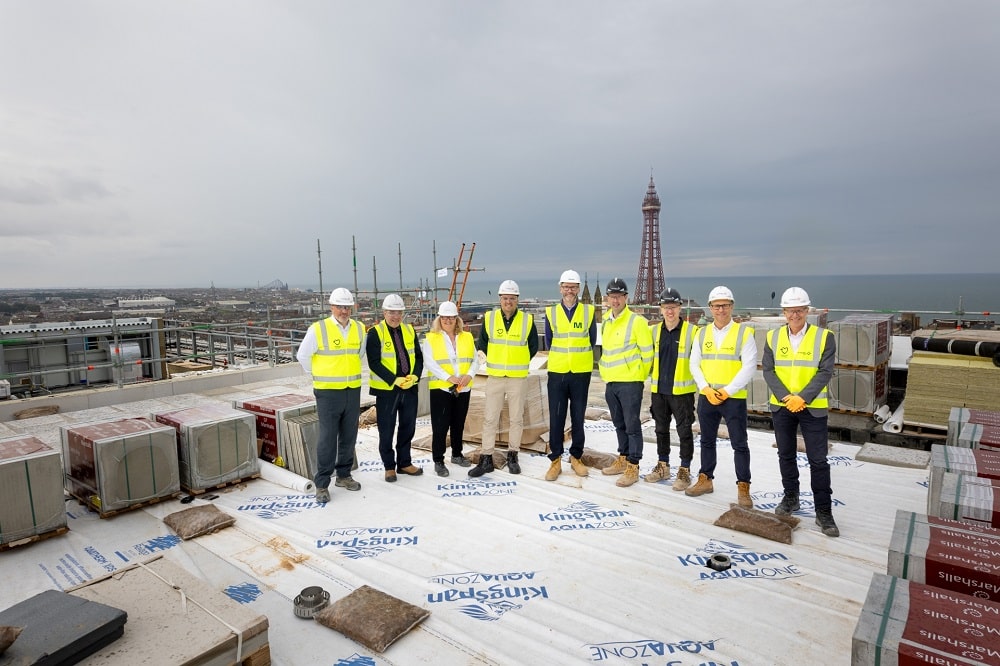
{"points": [[450, 358]]}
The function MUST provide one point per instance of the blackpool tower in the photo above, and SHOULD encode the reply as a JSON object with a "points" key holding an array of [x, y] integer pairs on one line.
{"points": [[649, 283]]}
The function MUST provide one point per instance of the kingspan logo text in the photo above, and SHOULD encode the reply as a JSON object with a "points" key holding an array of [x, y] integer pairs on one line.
{"points": [[745, 563], [646, 649], [487, 602], [278, 506], [586, 516], [361, 542], [477, 488]]}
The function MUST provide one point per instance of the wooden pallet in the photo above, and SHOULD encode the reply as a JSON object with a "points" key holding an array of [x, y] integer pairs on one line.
{"points": [[219, 486], [262, 657], [853, 412], [33, 538], [131, 507], [925, 430]]}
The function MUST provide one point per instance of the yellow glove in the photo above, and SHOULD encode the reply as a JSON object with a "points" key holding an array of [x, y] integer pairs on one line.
{"points": [[413, 379], [711, 394], [795, 403], [400, 382], [722, 395]]}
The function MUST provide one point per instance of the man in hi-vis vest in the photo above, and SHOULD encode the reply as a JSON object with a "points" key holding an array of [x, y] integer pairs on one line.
{"points": [[331, 352], [723, 360], [798, 364], [509, 340], [672, 389], [396, 363], [570, 334], [626, 357]]}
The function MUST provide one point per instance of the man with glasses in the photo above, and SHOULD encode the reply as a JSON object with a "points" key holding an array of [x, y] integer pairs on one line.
{"points": [[723, 360], [331, 352], [672, 389], [509, 340], [626, 357], [798, 365], [570, 334], [396, 363]]}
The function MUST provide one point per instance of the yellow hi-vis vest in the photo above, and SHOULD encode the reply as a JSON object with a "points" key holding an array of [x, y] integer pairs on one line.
{"points": [[388, 352], [337, 362], [683, 381], [507, 354], [571, 350], [720, 365], [465, 350], [796, 369], [626, 348]]}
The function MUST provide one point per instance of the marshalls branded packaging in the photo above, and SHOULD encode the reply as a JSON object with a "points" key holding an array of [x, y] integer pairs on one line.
{"points": [[116, 465], [271, 412], [32, 499], [215, 445], [970, 462]]}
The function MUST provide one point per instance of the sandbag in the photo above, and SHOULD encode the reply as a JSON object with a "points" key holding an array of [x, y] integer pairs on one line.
{"points": [[7, 636], [763, 524], [371, 617], [198, 520]]}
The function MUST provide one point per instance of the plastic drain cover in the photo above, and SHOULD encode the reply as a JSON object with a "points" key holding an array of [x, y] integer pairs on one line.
{"points": [[310, 601]]}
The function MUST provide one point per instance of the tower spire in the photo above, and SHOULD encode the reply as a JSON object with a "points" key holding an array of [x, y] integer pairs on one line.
{"points": [[649, 283]]}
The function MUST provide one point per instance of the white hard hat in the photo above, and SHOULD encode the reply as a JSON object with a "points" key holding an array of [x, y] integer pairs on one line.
{"points": [[393, 302], [571, 277], [447, 309], [720, 293], [794, 297], [509, 287], [341, 296]]}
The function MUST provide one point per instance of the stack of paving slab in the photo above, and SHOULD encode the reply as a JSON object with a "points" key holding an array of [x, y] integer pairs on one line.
{"points": [[302, 440], [216, 445], [963, 484], [271, 412], [860, 380], [974, 428], [32, 500]]}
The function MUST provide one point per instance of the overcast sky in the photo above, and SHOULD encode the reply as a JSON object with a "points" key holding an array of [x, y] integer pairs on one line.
{"points": [[185, 143]]}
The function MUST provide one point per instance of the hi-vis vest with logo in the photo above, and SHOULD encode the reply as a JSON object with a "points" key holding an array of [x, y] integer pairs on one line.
{"points": [[508, 355], [337, 361], [720, 365], [796, 369], [683, 381], [388, 352], [623, 359], [571, 350], [465, 350]]}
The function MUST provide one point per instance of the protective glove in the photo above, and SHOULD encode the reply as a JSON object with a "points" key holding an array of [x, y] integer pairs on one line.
{"points": [[400, 382], [710, 393], [410, 381], [795, 403], [722, 395]]}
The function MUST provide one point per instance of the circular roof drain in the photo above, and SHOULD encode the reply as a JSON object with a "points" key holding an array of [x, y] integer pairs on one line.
{"points": [[310, 601], [719, 562]]}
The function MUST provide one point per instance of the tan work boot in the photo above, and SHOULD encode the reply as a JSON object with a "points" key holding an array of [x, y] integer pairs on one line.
{"points": [[743, 494], [702, 487], [659, 473], [630, 476], [555, 469], [617, 467], [578, 466], [683, 480]]}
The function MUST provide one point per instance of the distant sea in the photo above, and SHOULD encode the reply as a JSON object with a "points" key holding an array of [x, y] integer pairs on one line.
{"points": [[937, 295]]}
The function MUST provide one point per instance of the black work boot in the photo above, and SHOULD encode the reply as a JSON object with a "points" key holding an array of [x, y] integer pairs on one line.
{"points": [[484, 466], [512, 465], [824, 518], [789, 504]]}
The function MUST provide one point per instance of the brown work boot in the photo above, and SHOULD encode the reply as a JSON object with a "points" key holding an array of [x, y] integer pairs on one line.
{"points": [[630, 476], [617, 467], [578, 466], [743, 494], [659, 473], [683, 480], [702, 487], [555, 469]]}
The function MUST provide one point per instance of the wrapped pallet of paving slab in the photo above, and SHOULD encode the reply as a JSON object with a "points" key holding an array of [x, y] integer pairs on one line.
{"points": [[958, 417], [969, 499], [861, 390], [863, 339], [971, 462], [271, 412], [32, 499], [176, 618], [216, 445], [978, 436], [945, 553], [903, 622], [117, 465]]}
